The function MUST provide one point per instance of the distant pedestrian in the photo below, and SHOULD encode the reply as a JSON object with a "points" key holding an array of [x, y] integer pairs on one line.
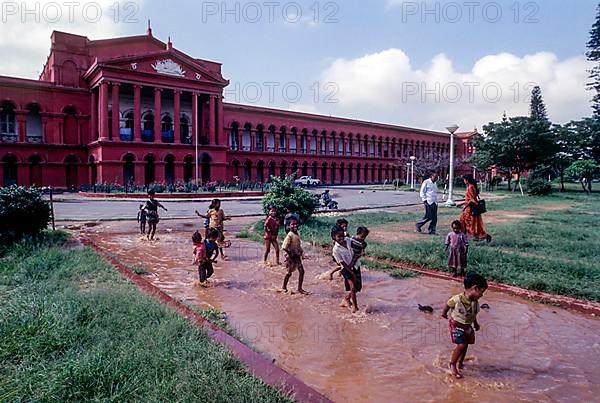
{"points": [[429, 196]]}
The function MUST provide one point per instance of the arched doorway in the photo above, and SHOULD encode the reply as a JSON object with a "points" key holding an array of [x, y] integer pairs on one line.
{"points": [[260, 171], [305, 169], [295, 169], [128, 170], [314, 170], [188, 168], [324, 174], [205, 167], [247, 171], [149, 170], [10, 170], [342, 168], [169, 169], [235, 166], [350, 172], [93, 171], [71, 173], [333, 169], [35, 171], [271, 169], [283, 169]]}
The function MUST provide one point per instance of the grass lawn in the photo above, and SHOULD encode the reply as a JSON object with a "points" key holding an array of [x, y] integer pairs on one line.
{"points": [[549, 244], [72, 329]]}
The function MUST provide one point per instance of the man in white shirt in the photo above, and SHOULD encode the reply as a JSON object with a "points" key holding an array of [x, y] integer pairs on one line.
{"points": [[429, 197]]}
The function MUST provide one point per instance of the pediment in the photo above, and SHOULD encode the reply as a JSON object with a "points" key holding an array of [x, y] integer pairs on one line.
{"points": [[166, 64]]}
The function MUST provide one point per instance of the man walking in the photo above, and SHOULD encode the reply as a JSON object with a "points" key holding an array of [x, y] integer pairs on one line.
{"points": [[429, 196]]}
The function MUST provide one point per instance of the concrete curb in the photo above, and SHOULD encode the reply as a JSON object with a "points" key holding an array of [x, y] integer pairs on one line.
{"points": [[587, 307], [257, 364]]}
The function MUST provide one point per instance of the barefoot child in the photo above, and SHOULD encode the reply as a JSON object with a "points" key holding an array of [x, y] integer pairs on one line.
{"points": [[141, 218], [358, 244], [151, 208], [199, 256], [294, 255], [342, 251], [343, 224], [457, 246], [463, 313], [271, 233]]}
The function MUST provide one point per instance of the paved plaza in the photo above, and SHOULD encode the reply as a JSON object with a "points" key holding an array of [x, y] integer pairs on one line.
{"points": [[72, 207]]}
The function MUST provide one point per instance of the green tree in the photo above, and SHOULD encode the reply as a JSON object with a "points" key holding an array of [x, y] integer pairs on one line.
{"points": [[283, 193], [537, 109], [516, 145], [583, 171], [593, 55]]}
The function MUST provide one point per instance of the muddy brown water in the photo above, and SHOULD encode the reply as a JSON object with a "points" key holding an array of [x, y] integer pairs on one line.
{"points": [[390, 351]]}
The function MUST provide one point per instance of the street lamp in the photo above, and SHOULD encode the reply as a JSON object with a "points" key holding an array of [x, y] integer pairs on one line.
{"points": [[407, 172], [412, 171], [450, 202]]}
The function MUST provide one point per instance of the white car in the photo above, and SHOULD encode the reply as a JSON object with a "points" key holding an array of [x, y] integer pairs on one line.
{"points": [[307, 181]]}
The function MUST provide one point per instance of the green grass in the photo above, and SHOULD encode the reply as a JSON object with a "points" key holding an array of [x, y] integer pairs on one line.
{"points": [[551, 251], [71, 329]]}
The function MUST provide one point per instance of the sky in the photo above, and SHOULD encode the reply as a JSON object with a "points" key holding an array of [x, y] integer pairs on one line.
{"points": [[425, 64]]}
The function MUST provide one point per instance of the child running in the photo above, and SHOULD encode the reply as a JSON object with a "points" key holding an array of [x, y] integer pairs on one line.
{"points": [[294, 255], [358, 245], [151, 208], [457, 247], [463, 313], [271, 233], [203, 252], [342, 251], [141, 218]]}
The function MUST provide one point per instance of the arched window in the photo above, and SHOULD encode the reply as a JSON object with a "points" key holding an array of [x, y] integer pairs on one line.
{"points": [[234, 137], [246, 137], [8, 122], [271, 140], [34, 124], [185, 136], [126, 129], [282, 136], [260, 138], [148, 127], [166, 125]]}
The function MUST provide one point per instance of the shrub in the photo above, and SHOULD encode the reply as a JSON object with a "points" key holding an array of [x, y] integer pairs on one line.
{"points": [[23, 212], [539, 186], [283, 193]]}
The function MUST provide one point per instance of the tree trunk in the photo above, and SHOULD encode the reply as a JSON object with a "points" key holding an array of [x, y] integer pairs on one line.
{"points": [[583, 185], [590, 186], [562, 181]]}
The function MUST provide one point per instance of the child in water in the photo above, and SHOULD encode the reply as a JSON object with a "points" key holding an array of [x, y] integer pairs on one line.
{"points": [[271, 232], [342, 252], [294, 255], [463, 310], [457, 246], [141, 218], [203, 252]]}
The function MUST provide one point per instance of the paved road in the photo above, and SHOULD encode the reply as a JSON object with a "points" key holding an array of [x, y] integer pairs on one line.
{"points": [[76, 208]]}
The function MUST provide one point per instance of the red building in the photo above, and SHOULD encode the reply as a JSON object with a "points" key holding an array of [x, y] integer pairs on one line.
{"points": [[135, 109]]}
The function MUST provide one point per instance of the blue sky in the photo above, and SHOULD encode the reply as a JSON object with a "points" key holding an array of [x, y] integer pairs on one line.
{"points": [[369, 53]]}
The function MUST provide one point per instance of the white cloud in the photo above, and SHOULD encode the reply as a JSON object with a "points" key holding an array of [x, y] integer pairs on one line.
{"points": [[385, 87], [26, 27]]}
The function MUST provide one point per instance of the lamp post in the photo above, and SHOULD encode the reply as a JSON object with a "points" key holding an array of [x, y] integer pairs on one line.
{"points": [[412, 171], [407, 172], [450, 202]]}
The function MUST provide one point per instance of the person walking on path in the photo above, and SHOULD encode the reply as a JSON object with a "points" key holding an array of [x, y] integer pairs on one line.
{"points": [[470, 218], [429, 197]]}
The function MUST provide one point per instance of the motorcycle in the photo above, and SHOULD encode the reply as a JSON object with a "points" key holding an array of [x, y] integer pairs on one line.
{"points": [[329, 204]]}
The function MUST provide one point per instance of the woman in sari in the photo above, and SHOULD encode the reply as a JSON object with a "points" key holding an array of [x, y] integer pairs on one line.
{"points": [[470, 218]]}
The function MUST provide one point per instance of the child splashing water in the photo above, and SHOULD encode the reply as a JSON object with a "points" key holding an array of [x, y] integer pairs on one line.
{"points": [[463, 310], [294, 255], [141, 219], [151, 208], [342, 252], [203, 255], [271, 232]]}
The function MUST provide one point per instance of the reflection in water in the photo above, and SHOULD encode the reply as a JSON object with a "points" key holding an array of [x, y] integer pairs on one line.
{"points": [[524, 351]]}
